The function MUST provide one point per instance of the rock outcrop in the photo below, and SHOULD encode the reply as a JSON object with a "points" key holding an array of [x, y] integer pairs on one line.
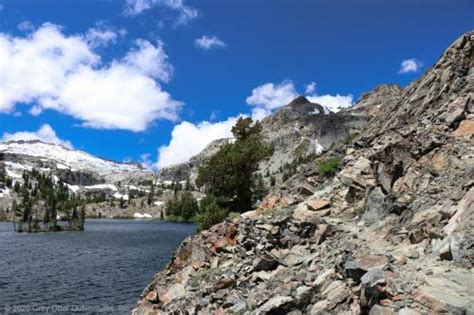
{"points": [[303, 128], [390, 233], [295, 131], [382, 96]]}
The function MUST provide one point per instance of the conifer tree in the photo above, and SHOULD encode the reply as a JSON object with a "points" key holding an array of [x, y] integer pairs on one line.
{"points": [[229, 173]]}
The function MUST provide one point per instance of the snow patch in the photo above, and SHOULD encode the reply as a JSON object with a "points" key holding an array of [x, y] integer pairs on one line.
{"points": [[316, 146], [120, 196], [73, 188], [101, 187], [61, 166], [138, 215]]}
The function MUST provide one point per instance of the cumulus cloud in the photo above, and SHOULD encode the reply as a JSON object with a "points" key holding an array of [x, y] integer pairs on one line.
{"points": [[188, 139], [185, 12], [45, 133], [209, 42], [410, 65], [269, 96], [103, 35], [52, 71]]}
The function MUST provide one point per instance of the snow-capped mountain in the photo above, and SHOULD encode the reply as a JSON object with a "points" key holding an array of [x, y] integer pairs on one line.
{"points": [[73, 166]]}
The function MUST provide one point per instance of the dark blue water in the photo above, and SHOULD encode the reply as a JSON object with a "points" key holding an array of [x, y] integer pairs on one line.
{"points": [[101, 270]]}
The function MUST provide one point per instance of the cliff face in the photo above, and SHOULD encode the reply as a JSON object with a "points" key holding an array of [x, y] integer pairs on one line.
{"points": [[391, 232]]}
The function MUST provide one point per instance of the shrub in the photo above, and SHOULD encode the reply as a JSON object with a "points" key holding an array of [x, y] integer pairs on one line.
{"points": [[210, 213], [183, 205], [330, 166]]}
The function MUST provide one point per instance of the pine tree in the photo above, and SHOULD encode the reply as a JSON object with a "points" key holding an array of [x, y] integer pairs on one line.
{"points": [[229, 173], [151, 195], [82, 217]]}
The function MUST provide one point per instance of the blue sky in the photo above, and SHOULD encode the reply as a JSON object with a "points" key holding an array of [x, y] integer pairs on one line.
{"points": [[136, 75]]}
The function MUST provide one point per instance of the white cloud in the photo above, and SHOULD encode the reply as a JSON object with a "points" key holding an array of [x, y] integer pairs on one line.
{"points": [[46, 134], [269, 96], [410, 65], [150, 60], [188, 139], [258, 113], [208, 42], [50, 70], [311, 88], [185, 13], [102, 35]]}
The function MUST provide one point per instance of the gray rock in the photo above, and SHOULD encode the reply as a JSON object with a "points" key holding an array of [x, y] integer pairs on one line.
{"points": [[373, 277], [320, 307], [265, 262], [356, 268], [303, 294], [455, 111], [375, 208], [239, 307], [275, 305], [407, 311], [381, 310]]}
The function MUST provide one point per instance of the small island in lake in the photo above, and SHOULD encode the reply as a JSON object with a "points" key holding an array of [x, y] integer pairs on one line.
{"points": [[43, 203]]}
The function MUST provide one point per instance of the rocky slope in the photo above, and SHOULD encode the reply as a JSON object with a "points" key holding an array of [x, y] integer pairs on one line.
{"points": [[390, 233], [294, 131]]}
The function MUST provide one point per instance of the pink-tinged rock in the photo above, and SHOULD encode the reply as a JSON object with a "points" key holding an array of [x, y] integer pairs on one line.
{"points": [[152, 296], [318, 204]]}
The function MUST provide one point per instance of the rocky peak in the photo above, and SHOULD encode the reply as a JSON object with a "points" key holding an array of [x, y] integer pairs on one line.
{"points": [[299, 100]]}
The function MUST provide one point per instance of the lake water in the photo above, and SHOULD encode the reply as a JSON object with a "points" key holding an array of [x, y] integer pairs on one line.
{"points": [[101, 270]]}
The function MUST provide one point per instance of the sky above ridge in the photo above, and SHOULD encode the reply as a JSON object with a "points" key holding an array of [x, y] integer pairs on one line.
{"points": [[156, 80]]}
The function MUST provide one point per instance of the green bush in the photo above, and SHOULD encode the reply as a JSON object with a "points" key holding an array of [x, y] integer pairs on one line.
{"points": [[330, 166], [210, 213], [183, 205]]}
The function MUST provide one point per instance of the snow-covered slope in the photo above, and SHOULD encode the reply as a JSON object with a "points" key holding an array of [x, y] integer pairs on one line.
{"points": [[20, 155]]}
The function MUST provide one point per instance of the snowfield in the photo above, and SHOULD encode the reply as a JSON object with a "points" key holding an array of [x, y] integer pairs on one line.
{"points": [[64, 158]]}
